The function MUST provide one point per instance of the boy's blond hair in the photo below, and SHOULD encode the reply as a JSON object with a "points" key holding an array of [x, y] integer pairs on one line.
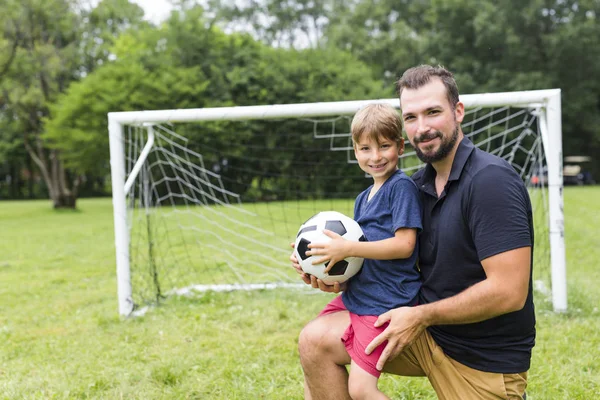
{"points": [[377, 120]]}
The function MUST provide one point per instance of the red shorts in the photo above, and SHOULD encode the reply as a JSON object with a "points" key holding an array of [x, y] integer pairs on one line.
{"points": [[358, 335]]}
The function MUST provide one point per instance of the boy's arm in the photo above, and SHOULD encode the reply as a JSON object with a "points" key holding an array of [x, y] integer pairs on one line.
{"points": [[401, 245]]}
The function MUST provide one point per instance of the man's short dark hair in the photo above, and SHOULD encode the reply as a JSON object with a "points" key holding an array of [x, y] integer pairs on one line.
{"points": [[416, 77]]}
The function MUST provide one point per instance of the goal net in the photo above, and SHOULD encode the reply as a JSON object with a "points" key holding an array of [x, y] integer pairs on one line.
{"points": [[210, 199]]}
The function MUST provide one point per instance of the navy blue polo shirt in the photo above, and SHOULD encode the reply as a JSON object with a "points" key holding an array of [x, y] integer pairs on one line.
{"points": [[484, 210]]}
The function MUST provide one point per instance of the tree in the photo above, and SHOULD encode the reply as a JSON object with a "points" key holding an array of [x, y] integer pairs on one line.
{"points": [[46, 55], [490, 46], [43, 35], [101, 26], [293, 23], [187, 62]]}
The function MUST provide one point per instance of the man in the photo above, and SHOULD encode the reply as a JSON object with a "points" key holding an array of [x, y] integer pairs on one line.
{"points": [[474, 328]]}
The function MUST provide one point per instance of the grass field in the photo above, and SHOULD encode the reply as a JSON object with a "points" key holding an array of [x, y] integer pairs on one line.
{"points": [[62, 338]]}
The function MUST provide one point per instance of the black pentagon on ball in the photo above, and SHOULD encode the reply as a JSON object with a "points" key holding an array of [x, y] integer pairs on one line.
{"points": [[303, 248], [307, 229], [339, 268], [336, 226]]}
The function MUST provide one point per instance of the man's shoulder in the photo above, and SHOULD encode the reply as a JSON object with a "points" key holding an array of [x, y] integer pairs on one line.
{"points": [[492, 176], [488, 166]]}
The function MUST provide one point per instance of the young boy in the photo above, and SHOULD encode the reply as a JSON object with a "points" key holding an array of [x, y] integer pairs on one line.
{"points": [[390, 216]]}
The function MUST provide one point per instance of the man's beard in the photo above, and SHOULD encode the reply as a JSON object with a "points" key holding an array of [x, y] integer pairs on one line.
{"points": [[445, 148]]}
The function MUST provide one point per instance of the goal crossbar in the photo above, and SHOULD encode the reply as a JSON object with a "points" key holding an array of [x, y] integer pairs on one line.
{"points": [[322, 109]]}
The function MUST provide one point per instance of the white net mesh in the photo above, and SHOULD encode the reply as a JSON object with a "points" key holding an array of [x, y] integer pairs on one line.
{"points": [[216, 204]]}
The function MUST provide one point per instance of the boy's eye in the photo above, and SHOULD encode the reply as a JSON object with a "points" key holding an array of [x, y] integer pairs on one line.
{"points": [[364, 148]]}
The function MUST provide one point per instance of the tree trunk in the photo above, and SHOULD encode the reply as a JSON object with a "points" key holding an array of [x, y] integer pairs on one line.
{"points": [[66, 200], [31, 180], [54, 176]]}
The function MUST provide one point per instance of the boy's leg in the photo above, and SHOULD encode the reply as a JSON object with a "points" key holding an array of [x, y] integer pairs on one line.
{"points": [[323, 357], [363, 385]]}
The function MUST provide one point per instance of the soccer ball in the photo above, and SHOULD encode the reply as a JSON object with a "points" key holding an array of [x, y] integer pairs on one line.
{"points": [[312, 231]]}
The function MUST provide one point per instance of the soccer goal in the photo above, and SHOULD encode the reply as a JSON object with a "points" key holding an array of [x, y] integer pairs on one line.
{"points": [[210, 199]]}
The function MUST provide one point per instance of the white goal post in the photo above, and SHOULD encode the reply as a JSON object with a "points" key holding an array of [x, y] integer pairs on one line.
{"points": [[135, 186]]}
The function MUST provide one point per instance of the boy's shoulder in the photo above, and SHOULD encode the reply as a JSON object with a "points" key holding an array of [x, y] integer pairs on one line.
{"points": [[400, 176]]}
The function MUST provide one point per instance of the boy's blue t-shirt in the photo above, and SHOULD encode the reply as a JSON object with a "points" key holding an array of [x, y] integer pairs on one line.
{"points": [[382, 285]]}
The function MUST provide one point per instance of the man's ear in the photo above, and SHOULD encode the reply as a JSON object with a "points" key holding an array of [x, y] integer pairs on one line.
{"points": [[459, 112]]}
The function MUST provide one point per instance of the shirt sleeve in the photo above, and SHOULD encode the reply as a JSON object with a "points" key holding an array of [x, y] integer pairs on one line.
{"points": [[405, 205], [498, 211]]}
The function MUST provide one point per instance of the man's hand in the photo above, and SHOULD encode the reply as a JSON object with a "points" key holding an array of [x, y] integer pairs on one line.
{"points": [[406, 324], [296, 265], [324, 287]]}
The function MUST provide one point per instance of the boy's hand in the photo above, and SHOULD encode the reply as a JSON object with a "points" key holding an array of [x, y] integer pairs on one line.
{"points": [[333, 251]]}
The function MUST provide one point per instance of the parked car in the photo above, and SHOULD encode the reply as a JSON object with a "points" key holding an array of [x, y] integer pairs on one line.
{"points": [[576, 172]]}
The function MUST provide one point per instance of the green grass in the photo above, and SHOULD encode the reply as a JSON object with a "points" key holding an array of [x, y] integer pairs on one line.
{"points": [[62, 338]]}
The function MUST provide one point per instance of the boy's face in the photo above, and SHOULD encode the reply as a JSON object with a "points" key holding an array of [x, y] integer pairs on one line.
{"points": [[431, 123], [380, 160]]}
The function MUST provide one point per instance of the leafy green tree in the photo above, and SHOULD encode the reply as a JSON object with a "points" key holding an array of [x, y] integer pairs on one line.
{"points": [[49, 45], [43, 37], [101, 26], [292, 23], [524, 45], [187, 62], [490, 46]]}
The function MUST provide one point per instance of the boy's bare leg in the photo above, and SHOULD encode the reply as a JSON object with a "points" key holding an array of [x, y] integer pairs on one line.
{"points": [[362, 385], [323, 357]]}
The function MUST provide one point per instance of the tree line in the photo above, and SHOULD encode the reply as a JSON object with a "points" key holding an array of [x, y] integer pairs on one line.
{"points": [[64, 66]]}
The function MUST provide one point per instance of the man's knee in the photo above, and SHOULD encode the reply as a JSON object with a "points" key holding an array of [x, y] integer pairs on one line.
{"points": [[309, 340], [314, 340], [322, 338]]}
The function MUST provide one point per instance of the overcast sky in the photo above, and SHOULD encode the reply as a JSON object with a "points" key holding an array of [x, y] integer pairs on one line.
{"points": [[156, 10]]}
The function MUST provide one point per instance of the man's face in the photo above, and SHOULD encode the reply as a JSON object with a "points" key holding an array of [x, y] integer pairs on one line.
{"points": [[431, 123]]}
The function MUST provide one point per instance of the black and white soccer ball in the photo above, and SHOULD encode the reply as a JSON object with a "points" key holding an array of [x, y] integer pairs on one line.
{"points": [[312, 231]]}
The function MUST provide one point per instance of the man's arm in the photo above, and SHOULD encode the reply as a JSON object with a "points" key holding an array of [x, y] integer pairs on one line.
{"points": [[504, 290]]}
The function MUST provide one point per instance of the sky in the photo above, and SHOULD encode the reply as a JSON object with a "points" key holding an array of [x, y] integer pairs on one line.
{"points": [[156, 10]]}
